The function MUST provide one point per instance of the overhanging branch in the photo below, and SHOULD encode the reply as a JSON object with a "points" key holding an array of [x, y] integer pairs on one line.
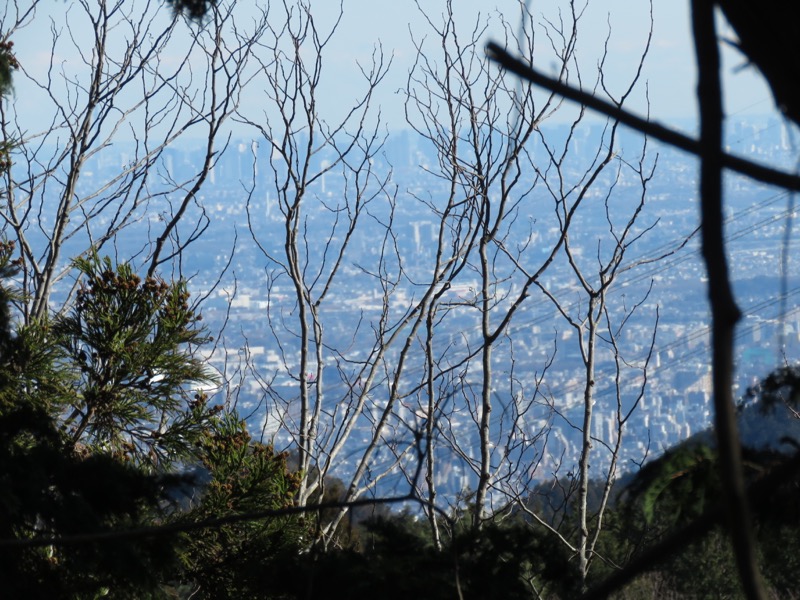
{"points": [[649, 128]]}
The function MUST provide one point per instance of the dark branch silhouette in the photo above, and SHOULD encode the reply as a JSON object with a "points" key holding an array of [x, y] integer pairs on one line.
{"points": [[660, 132], [724, 312], [769, 35]]}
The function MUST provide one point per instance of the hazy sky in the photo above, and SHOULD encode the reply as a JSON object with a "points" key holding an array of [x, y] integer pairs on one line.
{"points": [[669, 69]]}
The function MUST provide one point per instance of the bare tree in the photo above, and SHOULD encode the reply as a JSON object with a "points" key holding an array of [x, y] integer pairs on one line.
{"points": [[498, 167], [764, 38], [433, 384], [307, 154], [428, 388], [480, 128], [598, 321], [123, 85]]}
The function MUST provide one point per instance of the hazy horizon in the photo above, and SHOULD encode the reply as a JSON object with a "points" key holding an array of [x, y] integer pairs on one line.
{"points": [[669, 71]]}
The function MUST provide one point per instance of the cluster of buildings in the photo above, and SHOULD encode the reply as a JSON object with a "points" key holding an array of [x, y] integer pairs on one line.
{"points": [[652, 374]]}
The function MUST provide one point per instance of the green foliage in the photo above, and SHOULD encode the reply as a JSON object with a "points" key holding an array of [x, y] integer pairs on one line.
{"points": [[96, 411], [8, 268], [50, 493], [397, 560], [782, 385], [129, 345], [49, 489], [232, 561], [705, 568], [780, 543], [6, 146], [679, 486], [667, 494], [682, 486], [8, 64]]}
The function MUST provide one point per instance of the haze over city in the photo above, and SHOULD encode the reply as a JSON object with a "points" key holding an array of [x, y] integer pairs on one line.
{"points": [[308, 284]]}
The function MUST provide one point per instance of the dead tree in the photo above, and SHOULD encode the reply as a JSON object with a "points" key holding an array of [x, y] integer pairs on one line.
{"points": [[117, 88], [430, 374], [767, 37], [483, 130], [307, 153]]}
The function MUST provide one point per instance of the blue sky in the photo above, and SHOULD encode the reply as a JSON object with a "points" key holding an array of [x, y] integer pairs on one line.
{"points": [[669, 69]]}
